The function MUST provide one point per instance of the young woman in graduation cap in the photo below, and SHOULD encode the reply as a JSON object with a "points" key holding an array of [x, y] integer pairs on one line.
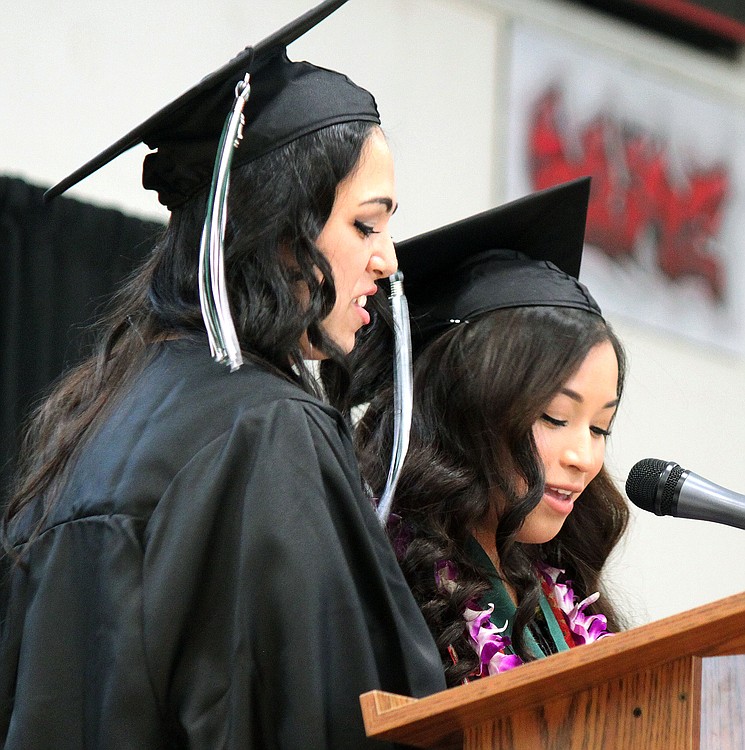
{"points": [[194, 562], [504, 515]]}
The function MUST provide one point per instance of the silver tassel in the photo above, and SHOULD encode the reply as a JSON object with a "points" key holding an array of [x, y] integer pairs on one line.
{"points": [[213, 292], [402, 393]]}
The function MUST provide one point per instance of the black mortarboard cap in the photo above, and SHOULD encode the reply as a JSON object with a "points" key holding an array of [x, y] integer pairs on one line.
{"points": [[287, 100], [523, 254]]}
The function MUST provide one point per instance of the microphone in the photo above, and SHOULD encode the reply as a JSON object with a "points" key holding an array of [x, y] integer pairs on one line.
{"points": [[666, 489]]}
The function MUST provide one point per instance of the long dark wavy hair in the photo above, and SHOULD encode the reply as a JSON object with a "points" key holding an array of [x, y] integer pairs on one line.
{"points": [[278, 207], [478, 390]]}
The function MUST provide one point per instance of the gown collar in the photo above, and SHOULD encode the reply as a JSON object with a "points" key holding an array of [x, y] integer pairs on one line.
{"points": [[504, 608]]}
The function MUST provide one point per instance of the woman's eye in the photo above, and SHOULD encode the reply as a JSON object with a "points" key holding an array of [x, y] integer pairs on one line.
{"points": [[364, 229], [554, 422], [600, 432]]}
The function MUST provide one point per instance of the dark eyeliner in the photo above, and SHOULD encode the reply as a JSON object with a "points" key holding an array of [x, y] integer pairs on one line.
{"points": [[364, 229], [554, 422]]}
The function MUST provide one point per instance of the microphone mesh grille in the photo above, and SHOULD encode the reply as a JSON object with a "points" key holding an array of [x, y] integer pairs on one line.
{"points": [[668, 492], [641, 485]]}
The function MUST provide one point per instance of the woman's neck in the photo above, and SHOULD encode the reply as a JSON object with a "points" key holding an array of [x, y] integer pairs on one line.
{"points": [[487, 539]]}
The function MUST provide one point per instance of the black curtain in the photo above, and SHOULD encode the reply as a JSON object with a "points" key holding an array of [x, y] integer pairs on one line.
{"points": [[59, 265]]}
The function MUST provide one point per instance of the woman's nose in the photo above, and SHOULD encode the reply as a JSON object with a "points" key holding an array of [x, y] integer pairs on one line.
{"points": [[383, 261], [579, 453]]}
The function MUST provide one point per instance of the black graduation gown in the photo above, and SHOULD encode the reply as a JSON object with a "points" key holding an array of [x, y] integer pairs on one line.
{"points": [[212, 577]]}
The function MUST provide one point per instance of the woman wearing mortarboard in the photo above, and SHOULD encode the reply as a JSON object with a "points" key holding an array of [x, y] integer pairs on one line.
{"points": [[504, 515], [194, 562]]}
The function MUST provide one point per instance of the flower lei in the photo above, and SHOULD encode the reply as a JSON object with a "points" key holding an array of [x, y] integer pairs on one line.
{"points": [[488, 639]]}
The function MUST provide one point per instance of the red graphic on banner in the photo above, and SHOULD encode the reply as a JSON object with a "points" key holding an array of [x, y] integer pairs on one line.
{"points": [[632, 192]]}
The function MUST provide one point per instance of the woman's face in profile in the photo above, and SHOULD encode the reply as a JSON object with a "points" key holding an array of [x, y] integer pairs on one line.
{"points": [[570, 436], [356, 239]]}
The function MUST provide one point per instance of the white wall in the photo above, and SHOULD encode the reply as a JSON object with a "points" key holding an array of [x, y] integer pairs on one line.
{"points": [[76, 76]]}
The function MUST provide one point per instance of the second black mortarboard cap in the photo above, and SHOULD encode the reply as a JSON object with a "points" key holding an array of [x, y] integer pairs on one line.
{"points": [[522, 254], [287, 100]]}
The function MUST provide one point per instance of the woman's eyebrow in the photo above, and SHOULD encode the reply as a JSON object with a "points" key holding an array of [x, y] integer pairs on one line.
{"points": [[387, 202], [580, 400]]}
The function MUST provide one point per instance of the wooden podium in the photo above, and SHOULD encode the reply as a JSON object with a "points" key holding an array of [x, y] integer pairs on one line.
{"points": [[674, 684]]}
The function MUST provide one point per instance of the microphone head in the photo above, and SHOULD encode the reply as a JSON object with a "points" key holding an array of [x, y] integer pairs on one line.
{"points": [[643, 481]]}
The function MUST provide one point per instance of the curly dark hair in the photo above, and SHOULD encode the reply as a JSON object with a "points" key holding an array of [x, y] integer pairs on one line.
{"points": [[278, 205], [478, 389]]}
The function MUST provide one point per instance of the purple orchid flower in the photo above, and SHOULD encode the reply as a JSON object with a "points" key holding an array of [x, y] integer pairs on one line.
{"points": [[489, 642], [584, 628]]}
